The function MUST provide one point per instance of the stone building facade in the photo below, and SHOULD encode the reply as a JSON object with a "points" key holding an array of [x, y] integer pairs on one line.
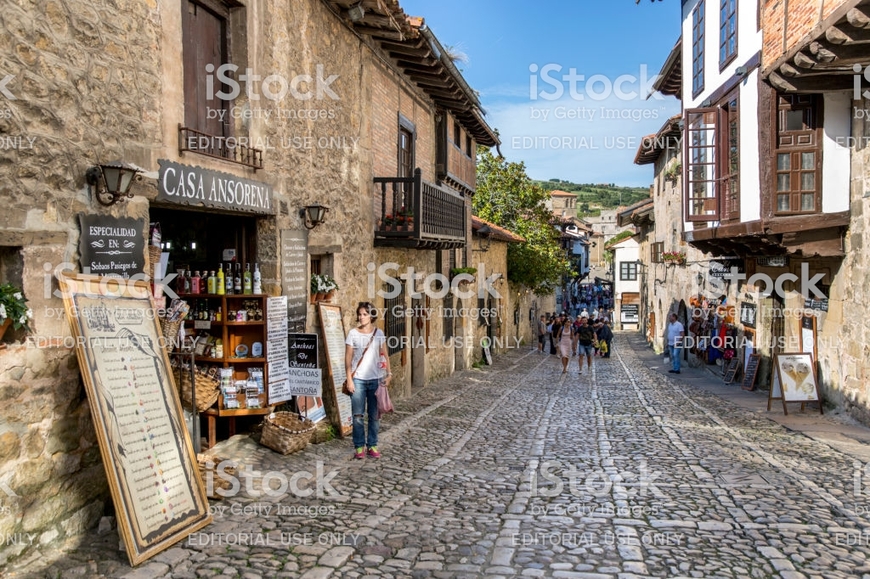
{"points": [[315, 120]]}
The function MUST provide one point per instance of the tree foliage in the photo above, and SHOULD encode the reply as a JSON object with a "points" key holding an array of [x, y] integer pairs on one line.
{"points": [[507, 197]]}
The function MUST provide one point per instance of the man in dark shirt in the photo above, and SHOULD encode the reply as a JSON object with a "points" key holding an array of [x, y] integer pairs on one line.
{"points": [[585, 338]]}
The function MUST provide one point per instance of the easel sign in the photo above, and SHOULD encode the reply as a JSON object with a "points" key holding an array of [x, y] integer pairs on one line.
{"points": [[147, 453], [731, 370], [797, 379], [750, 372], [338, 407]]}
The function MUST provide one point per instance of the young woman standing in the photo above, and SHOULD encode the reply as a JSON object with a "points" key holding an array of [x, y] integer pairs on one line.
{"points": [[365, 345]]}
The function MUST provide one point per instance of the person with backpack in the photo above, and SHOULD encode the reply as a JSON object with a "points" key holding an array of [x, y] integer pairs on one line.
{"points": [[605, 337], [585, 344]]}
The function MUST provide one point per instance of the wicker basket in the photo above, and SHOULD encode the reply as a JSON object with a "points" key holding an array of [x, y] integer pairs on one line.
{"points": [[153, 258], [217, 481], [170, 334], [207, 390], [285, 432]]}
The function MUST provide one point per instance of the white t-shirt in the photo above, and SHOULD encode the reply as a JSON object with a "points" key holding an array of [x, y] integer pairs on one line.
{"points": [[367, 368], [674, 331]]}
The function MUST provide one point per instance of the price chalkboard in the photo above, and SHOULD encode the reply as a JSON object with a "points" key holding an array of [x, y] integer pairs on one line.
{"points": [[750, 372], [731, 370], [294, 276], [303, 350]]}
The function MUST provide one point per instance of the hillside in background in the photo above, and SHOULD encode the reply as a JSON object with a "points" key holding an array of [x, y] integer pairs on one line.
{"points": [[593, 197]]}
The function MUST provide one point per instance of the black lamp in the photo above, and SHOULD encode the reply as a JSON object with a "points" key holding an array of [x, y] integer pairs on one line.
{"points": [[112, 181], [313, 215], [485, 233]]}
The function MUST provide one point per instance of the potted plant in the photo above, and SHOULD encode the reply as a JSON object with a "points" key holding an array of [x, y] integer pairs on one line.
{"points": [[462, 270], [13, 309], [387, 222], [675, 257], [674, 172], [322, 287]]}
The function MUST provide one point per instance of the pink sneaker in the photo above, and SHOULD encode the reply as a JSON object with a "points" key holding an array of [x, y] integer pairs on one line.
{"points": [[373, 452], [360, 453]]}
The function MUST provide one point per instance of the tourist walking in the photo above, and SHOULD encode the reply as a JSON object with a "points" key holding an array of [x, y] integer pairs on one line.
{"points": [[365, 348], [676, 332], [565, 339], [585, 344]]}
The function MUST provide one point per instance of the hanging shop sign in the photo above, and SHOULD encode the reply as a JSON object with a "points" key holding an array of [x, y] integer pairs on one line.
{"points": [[294, 276], [628, 313], [722, 268], [820, 305], [112, 245], [773, 261], [194, 186]]}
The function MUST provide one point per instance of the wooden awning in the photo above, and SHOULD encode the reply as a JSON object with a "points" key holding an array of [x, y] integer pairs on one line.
{"points": [[822, 61], [415, 50], [670, 80]]}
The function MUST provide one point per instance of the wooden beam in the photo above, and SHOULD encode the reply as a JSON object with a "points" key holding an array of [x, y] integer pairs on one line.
{"points": [[858, 18], [847, 35], [804, 61], [822, 54], [811, 83], [406, 49], [788, 70], [380, 33]]}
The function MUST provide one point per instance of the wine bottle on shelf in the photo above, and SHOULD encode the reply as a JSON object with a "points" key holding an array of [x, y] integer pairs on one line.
{"points": [[258, 287], [230, 284], [211, 283], [195, 282], [220, 283], [187, 277], [237, 281], [247, 281]]}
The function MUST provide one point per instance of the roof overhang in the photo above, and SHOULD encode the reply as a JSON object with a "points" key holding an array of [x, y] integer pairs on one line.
{"points": [[670, 78], [823, 60], [652, 146]]}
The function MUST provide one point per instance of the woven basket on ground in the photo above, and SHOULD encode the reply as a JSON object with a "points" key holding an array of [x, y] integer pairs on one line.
{"points": [[285, 432], [207, 390], [214, 481]]}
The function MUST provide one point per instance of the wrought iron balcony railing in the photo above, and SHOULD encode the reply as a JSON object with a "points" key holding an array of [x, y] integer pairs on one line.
{"points": [[414, 213]]}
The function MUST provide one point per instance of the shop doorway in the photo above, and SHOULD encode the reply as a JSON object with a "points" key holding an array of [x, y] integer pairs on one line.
{"points": [[196, 240]]}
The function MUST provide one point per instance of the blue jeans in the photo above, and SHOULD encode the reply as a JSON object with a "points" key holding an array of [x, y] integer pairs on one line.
{"points": [[363, 397], [675, 352]]}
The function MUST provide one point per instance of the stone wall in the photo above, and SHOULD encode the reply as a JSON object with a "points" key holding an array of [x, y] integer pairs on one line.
{"points": [[93, 84]]}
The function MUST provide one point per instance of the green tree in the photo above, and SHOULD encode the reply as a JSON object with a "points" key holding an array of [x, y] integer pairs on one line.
{"points": [[507, 197]]}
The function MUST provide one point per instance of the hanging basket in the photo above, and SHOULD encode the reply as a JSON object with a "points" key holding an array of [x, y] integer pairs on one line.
{"points": [[170, 334], [285, 432], [153, 258]]}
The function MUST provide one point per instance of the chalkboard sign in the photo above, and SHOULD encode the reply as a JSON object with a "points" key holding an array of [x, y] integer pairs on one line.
{"points": [[303, 350], [731, 370], [294, 276], [750, 372], [112, 246], [337, 403], [147, 453]]}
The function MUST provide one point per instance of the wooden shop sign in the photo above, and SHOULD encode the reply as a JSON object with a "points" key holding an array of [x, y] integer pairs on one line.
{"points": [[147, 453], [197, 187]]}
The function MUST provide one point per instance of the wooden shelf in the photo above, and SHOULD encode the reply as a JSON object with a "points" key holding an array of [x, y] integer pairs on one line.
{"points": [[238, 411], [259, 323]]}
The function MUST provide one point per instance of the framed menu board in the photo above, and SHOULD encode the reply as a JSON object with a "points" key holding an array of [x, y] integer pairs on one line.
{"points": [[337, 404], [147, 453]]}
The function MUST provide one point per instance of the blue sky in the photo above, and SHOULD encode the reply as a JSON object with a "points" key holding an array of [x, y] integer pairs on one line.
{"points": [[588, 136]]}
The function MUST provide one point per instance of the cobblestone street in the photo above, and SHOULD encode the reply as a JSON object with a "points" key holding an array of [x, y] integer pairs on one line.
{"points": [[517, 470]]}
